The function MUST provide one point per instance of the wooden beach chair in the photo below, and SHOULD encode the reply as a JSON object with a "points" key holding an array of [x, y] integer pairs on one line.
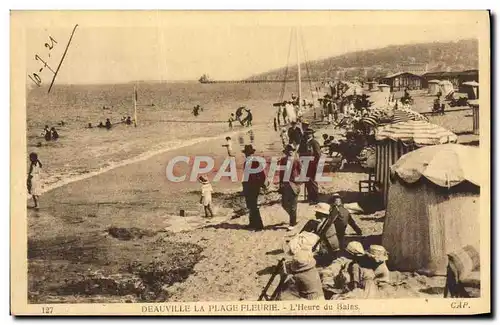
{"points": [[368, 185], [463, 278], [279, 271]]}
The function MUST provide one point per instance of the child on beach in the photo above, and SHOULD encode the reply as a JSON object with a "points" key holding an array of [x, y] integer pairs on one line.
{"points": [[33, 182], [206, 196], [284, 137], [231, 120], [229, 146]]}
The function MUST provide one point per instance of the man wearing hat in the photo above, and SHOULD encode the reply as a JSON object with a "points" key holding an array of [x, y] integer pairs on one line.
{"points": [[330, 244], [311, 147], [294, 134], [290, 188], [342, 218], [251, 189]]}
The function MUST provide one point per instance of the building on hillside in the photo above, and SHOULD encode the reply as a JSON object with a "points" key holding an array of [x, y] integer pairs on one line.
{"points": [[401, 80], [414, 67], [457, 78]]}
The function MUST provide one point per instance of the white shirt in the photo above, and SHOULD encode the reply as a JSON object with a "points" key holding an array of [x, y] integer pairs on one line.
{"points": [[206, 193]]}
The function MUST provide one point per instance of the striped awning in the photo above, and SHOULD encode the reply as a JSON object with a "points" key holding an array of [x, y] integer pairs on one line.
{"points": [[418, 132]]}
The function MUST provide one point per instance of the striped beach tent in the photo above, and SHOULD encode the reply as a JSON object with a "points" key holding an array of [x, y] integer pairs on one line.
{"points": [[397, 139]]}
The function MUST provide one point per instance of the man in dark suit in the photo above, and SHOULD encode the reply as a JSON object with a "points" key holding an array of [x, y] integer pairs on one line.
{"points": [[290, 188], [251, 188], [311, 148], [295, 134]]}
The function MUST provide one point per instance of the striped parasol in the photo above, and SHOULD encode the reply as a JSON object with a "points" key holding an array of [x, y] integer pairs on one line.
{"points": [[376, 117], [403, 115], [419, 132]]}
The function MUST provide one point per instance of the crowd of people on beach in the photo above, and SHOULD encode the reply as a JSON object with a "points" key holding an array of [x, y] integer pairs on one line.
{"points": [[321, 241]]}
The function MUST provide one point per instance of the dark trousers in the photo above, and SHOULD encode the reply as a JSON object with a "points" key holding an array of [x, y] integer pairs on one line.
{"points": [[251, 194], [341, 236], [312, 190], [208, 211], [289, 201]]}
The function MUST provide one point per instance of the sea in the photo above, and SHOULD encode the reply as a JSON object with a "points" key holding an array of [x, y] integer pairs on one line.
{"points": [[164, 121]]}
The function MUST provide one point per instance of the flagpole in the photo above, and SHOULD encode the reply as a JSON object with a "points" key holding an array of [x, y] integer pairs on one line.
{"points": [[135, 107]]}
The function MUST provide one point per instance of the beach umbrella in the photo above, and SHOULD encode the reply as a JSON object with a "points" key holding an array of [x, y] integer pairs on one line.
{"points": [[415, 115], [471, 83], [376, 118], [444, 165], [418, 132], [403, 115]]}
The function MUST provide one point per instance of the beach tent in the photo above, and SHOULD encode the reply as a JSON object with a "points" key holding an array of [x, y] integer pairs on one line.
{"points": [[474, 104], [474, 89], [384, 88], [433, 87], [371, 85], [433, 207], [397, 139], [446, 87]]}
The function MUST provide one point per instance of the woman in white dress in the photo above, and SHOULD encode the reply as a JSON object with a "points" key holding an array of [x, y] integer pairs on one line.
{"points": [[34, 185]]}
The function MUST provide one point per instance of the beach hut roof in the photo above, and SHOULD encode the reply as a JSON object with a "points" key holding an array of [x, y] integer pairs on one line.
{"points": [[383, 85], [419, 132], [434, 81], [471, 83], [445, 165], [445, 82]]}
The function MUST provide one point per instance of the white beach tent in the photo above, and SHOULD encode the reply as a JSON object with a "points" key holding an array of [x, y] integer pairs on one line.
{"points": [[446, 87], [433, 87], [433, 207]]}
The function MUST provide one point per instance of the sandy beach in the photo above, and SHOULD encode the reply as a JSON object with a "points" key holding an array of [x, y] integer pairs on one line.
{"points": [[118, 236]]}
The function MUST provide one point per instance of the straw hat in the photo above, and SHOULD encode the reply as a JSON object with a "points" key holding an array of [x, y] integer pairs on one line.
{"points": [[248, 149], [378, 253], [322, 208], [355, 248], [301, 244]]}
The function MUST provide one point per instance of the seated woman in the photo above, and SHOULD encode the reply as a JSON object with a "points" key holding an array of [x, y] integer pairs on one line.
{"points": [[304, 281], [344, 273], [375, 272]]}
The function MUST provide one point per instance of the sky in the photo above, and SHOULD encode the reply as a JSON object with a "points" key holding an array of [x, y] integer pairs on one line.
{"points": [[118, 47]]}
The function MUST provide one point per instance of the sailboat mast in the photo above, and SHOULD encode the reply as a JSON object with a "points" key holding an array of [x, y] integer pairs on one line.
{"points": [[299, 91], [135, 106]]}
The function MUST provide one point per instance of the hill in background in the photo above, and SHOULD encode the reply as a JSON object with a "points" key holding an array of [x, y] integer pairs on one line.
{"points": [[370, 64]]}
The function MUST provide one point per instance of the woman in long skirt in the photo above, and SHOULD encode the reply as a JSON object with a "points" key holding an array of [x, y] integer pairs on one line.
{"points": [[34, 185]]}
